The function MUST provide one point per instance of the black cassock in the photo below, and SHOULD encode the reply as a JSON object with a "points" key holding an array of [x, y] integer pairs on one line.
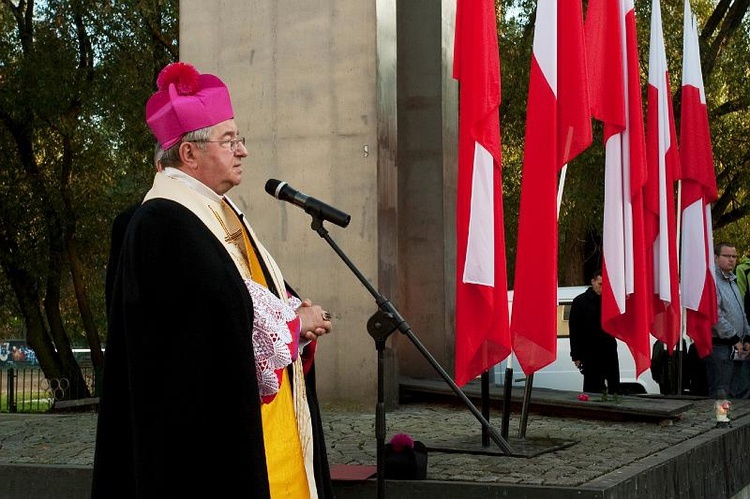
{"points": [[180, 413]]}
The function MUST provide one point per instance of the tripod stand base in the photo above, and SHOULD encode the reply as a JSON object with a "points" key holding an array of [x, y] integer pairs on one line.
{"points": [[521, 447]]}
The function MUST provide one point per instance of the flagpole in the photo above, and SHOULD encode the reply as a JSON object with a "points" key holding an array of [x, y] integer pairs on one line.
{"points": [[485, 394], [680, 353], [507, 394], [560, 188]]}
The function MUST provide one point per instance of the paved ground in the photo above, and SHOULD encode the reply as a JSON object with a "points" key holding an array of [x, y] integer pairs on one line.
{"points": [[599, 446]]}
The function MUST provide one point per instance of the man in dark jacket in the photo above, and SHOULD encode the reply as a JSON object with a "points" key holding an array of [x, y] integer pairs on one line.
{"points": [[593, 350]]}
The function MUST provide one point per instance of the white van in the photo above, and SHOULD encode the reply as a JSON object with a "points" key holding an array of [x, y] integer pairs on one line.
{"points": [[562, 374]]}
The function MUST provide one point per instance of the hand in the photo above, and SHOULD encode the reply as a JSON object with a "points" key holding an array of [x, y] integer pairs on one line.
{"points": [[579, 365], [314, 320]]}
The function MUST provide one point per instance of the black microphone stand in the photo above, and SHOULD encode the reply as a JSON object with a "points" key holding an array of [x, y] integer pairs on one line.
{"points": [[380, 325]]}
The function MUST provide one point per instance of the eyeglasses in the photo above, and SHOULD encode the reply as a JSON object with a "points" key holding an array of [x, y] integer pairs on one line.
{"points": [[729, 256], [230, 144]]}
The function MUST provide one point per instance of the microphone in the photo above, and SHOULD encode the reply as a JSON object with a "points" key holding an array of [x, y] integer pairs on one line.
{"points": [[285, 192]]}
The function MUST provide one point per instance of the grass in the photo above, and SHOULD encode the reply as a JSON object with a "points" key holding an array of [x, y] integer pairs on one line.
{"points": [[37, 405], [33, 393]]}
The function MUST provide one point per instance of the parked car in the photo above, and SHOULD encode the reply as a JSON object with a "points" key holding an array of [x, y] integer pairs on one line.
{"points": [[562, 374], [15, 353]]}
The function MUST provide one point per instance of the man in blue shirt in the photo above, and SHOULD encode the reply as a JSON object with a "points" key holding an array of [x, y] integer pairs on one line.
{"points": [[730, 333]]}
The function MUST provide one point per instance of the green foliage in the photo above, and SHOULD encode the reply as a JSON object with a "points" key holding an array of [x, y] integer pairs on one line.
{"points": [[74, 78]]}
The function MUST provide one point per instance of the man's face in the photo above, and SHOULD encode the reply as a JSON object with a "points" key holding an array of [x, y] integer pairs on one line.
{"points": [[218, 166], [596, 284], [726, 260]]}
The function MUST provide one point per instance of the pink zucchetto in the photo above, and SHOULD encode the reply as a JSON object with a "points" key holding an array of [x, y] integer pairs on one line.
{"points": [[186, 101]]}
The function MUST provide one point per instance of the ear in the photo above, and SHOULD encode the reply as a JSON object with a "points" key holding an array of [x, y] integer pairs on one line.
{"points": [[188, 155]]}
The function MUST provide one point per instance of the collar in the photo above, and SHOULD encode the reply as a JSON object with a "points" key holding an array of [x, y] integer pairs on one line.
{"points": [[728, 276], [192, 182]]}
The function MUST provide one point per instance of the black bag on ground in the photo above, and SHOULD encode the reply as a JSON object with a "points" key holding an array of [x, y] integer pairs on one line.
{"points": [[407, 464]]}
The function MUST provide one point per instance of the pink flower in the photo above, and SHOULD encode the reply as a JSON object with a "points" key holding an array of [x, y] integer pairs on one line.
{"points": [[583, 397], [401, 441]]}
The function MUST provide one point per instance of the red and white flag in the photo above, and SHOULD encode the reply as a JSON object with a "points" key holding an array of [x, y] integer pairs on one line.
{"points": [[614, 87], [663, 172], [698, 192], [482, 334], [558, 128]]}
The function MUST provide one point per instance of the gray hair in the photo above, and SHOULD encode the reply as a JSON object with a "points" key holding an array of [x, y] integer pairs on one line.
{"points": [[171, 156], [158, 155]]}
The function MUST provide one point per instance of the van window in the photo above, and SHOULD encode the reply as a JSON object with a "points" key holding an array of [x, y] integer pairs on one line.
{"points": [[563, 317]]}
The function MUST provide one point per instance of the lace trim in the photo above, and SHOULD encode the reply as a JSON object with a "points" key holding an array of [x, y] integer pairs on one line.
{"points": [[271, 335]]}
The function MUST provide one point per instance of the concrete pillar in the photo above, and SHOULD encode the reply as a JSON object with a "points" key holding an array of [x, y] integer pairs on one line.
{"points": [[346, 101], [427, 164]]}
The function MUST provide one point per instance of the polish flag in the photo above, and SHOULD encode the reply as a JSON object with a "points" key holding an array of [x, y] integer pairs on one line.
{"points": [[558, 128], [663, 171], [482, 334], [698, 192], [615, 91]]}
